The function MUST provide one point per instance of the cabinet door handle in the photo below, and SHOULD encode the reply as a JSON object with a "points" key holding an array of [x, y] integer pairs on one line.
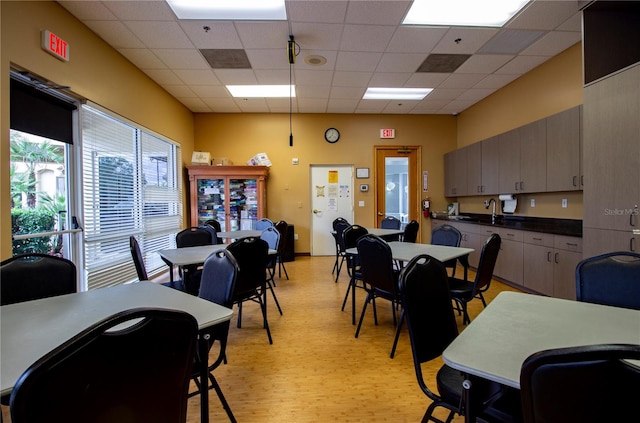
{"points": [[521, 185], [537, 239], [571, 244], [575, 181], [516, 186], [634, 213], [632, 244], [582, 180], [511, 234], [555, 258], [549, 256]]}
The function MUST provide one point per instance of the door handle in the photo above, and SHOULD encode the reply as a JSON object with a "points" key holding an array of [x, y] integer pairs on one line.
{"points": [[380, 214], [316, 211]]}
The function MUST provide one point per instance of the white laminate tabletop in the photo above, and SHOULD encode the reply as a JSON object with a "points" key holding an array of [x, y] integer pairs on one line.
{"points": [[405, 251], [515, 325], [186, 256], [33, 328], [384, 232], [239, 234]]}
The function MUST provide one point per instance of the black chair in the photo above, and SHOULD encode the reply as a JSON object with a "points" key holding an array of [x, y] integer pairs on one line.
{"points": [[212, 232], [411, 231], [192, 237], [349, 239], [610, 279], [217, 227], [339, 225], [33, 276], [379, 277], [432, 327], [282, 227], [391, 222], [141, 270], [449, 236], [586, 384], [217, 285], [263, 224], [252, 254], [272, 237], [463, 291], [136, 373]]}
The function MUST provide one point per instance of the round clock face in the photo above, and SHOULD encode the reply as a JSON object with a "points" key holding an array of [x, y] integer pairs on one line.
{"points": [[332, 135]]}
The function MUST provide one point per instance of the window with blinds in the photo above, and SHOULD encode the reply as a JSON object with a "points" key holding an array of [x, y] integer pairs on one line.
{"points": [[131, 186]]}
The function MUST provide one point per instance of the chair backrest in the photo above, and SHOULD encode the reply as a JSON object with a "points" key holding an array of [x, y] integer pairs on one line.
{"points": [[487, 263], [446, 235], [33, 276], [282, 226], [138, 260], [351, 234], [214, 223], [263, 223], [133, 374], [252, 255], [610, 279], [193, 237], [376, 264], [411, 231], [390, 222], [584, 384], [219, 275], [272, 236], [424, 287], [212, 232], [340, 220], [339, 228]]}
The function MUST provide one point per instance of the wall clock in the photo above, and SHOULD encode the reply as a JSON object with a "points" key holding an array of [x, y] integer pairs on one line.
{"points": [[332, 135]]}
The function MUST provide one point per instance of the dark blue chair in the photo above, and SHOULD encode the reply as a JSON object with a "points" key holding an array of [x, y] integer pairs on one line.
{"points": [[610, 279]]}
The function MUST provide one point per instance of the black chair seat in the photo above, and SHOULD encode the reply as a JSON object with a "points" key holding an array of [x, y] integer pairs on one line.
{"points": [[460, 288]]}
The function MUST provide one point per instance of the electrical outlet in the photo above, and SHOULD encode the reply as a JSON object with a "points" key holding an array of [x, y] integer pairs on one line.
{"points": [[533, 202], [564, 203], [295, 237], [360, 203]]}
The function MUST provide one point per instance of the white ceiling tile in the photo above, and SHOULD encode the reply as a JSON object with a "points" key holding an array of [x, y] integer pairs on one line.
{"points": [[252, 105], [377, 12], [476, 94], [471, 40], [546, 15], [457, 106], [116, 34], [272, 77], [316, 11], [197, 76], [195, 104], [495, 81], [88, 10], [142, 58], [329, 55], [357, 61], [552, 43], [522, 64], [366, 37], [347, 92], [220, 34], [180, 91], [400, 62], [164, 77], [312, 91], [483, 63], [574, 23], [312, 105], [236, 76], [372, 106], [281, 105], [400, 106], [426, 80], [313, 77], [461, 80], [263, 34], [390, 79], [210, 91], [156, 34], [268, 58], [222, 105], [141, 10], [317, 35], [338, 105], [415, 39], [181, 58], [445, 94]]}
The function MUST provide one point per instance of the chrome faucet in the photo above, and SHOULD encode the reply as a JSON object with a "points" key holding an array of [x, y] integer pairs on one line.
{"points": [[487, 203]]}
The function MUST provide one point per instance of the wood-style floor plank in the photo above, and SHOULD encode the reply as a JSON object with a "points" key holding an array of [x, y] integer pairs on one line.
{"points": [[316, 370]]}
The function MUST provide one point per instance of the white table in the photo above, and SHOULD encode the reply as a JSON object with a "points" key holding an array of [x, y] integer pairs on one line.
{"points": [[33, 328], [384, 232], [516, 325], [239, 234]]}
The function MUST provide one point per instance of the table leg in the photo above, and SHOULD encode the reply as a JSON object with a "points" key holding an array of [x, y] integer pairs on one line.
{"points": [[469, 410], [203, 362]]}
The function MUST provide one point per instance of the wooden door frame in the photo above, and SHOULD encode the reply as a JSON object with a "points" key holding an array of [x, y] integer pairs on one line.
{"points": [[414, 200]]}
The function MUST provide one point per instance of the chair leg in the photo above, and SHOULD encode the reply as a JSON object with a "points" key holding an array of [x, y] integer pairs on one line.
{"points": [[275, 299], [239, 325], [398, 329], [263, 307], [364, 310], [223, 400]]}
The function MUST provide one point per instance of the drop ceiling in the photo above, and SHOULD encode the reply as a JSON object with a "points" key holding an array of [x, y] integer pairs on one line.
{"points": [[363, 42]]}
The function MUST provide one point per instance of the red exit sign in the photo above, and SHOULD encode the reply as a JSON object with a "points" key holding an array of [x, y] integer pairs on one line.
{"points": [[387, 133], [55, 45]]}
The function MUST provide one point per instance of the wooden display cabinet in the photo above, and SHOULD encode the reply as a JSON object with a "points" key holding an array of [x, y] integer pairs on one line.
{"points": [[236, 196]]}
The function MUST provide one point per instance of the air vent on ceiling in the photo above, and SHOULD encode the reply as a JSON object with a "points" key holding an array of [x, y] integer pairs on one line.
{"points": [[226, 58], [443, 63]]}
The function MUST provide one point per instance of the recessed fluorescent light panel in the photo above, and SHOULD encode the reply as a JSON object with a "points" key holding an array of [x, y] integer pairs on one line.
{"points": [[396, 93], [246, 91], [262, 10], [494, 13]]}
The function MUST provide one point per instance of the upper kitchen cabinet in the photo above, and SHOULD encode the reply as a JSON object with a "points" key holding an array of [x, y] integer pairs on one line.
{"points": [[474, 168], [455, 176], [564, 144], [490, 166], [523, 159]]}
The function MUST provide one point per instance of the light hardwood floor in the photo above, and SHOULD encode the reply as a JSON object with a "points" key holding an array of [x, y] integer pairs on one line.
{"points": [[316, 370]]}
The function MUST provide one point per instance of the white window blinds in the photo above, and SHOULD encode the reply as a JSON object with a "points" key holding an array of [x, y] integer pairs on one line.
{"points": [[131, 186]]}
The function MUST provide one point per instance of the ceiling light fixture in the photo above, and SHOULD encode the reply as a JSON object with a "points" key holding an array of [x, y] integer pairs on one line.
{"points": [[253, 91], [463, 12], [229, 10], [396, 93]]}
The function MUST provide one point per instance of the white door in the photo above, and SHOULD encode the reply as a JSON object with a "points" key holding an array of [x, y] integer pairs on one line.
{"points": [[331, 197]]}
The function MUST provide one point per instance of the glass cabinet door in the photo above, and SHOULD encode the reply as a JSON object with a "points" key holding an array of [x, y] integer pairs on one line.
{"points": [[243, 204], [211, 201]]}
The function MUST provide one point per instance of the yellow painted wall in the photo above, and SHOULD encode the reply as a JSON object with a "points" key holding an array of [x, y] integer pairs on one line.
{"points": [[552, 87], [95, 71], [239, 137]]}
